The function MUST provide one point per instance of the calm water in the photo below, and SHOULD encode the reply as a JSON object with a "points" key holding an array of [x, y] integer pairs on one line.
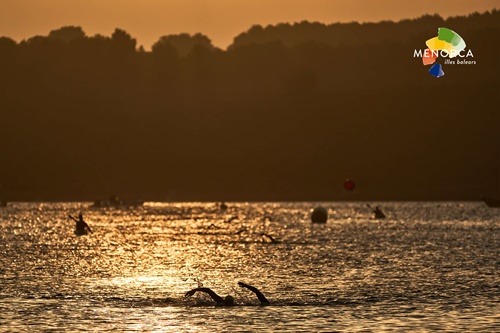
{"points": [[428, 266]]}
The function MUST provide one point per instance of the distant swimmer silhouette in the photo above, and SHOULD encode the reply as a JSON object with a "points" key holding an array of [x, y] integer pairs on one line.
{"points": [[379, 214], [228, 300], [81, 228]]}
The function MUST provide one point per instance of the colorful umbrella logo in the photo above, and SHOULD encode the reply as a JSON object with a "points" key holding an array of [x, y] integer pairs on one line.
{"points": [[447, 43]]}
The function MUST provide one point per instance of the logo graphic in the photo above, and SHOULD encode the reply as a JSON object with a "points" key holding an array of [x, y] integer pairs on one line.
{"points": [[447, 44]]}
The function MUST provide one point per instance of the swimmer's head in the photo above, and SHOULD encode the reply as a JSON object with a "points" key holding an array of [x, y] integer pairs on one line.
{"points": [[80, 216], [228, 300]]}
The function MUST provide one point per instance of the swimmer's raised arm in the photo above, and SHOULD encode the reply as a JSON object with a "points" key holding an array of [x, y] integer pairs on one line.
{"points": [[263, 300], [210, 292]]}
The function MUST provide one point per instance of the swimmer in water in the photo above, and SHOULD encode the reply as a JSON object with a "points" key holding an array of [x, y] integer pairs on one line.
{"points": [[229, 300], [81, 226], [379, 214]]}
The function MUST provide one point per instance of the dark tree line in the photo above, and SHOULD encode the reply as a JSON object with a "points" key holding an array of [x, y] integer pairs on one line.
{"points": [[286, 113], [356, 33]]}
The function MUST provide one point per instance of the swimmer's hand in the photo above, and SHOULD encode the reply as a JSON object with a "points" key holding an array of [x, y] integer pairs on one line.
{"points": [[243, 285]]}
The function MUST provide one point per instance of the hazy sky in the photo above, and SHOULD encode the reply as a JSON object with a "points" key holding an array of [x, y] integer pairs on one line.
{"points": [[221, 20]]}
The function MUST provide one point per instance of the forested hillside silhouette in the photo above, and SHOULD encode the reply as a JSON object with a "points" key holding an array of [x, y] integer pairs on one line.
{"points": [[355, 33], [286, 113]]}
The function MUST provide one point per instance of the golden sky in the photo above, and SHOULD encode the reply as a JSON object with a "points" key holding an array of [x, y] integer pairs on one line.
{"points": [[221, 20]]}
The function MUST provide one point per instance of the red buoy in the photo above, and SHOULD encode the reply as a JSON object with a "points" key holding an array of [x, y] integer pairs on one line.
{"points": [[349, 185]]}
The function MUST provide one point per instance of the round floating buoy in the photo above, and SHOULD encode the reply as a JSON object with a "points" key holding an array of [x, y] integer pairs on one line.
{"points": [[319, 215], [349, 185]]}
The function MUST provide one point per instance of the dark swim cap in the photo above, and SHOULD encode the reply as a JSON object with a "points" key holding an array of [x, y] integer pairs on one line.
{"points": [[229, 300]]}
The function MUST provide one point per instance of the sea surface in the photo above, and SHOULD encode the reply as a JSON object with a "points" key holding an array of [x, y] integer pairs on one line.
{"points": [[429, 266]]}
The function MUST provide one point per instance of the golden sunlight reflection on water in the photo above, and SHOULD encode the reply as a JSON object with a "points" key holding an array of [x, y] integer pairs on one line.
{"points": [[427, 266]]}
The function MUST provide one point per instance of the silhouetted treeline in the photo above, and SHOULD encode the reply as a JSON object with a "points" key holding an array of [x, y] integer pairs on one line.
{"points": [[355, 33], [286, 113]]}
